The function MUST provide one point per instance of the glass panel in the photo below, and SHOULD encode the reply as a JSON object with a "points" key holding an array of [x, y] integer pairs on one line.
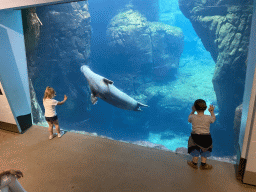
{"points": [[152, 53]]}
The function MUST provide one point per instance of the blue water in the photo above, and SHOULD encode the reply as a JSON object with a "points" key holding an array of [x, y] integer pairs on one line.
{"points": [[165, 121]]}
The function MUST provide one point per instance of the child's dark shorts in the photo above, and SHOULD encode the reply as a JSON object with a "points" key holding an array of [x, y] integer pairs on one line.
{"points": [[51, 119], [198, 142], [197, 152]]}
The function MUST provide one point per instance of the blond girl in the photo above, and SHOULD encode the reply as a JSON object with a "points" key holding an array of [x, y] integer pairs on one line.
{"points": [[50, 112]]}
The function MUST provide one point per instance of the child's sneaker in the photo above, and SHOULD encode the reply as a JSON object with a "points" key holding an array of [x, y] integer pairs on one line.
{"points": [[205, 167], [191, 164], [51, 136], [60, 134]]}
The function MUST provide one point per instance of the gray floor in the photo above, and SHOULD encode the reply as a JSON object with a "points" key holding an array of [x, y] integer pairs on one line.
{"points": [[77, 162]]}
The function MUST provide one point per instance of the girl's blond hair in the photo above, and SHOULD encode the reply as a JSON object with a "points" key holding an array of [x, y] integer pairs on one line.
{"points": [[49, 93]]}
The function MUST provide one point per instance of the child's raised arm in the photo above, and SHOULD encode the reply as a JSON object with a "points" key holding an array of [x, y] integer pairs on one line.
{"points": [[193, 110], [211, 110], [64, 100]]}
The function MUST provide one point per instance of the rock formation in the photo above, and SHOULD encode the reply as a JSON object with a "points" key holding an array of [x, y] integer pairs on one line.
{"points": [[143, 46], [56, 51], [182, 150], [149, 9], [31, 27], [224, 28], [37, 113], [237, 124]]}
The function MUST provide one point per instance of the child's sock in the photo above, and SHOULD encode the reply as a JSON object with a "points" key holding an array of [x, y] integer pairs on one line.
{"points": [[194, 163], [203, 164]]}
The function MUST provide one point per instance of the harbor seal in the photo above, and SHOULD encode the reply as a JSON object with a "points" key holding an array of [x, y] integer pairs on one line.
{"points": [[103, 88]]}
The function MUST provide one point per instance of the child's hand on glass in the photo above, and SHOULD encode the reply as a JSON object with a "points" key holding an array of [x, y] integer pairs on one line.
{"points": [[211, 108], [65, 97]]}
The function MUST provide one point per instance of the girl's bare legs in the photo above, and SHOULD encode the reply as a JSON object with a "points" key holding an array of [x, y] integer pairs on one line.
{"points": [[57, 127], [50, 129]]}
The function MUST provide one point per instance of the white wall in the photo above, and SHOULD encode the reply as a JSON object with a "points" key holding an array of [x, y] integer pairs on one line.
{"points": [[13, 65], [249, 143], [18, 4], [5, 110], [247, 127]]}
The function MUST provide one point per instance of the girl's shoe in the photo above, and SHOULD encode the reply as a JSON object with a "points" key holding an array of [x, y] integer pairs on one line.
{"points": [[51, 136], [191, 164], [205, 167], [60, 134]]}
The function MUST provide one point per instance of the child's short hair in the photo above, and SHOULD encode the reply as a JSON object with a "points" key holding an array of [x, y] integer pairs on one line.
{"points": [[49, 92], [200, 105]]}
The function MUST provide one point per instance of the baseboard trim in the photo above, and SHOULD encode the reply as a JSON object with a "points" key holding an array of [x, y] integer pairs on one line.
{"points": [[25, 121], [9, 127], [241, 169]]}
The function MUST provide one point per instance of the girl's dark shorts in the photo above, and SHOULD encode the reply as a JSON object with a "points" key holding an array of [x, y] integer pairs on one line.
{"points": [[51, 119]]}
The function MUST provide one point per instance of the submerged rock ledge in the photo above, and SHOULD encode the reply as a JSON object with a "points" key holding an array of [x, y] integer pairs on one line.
{"points": [[224, 28], [180, 150]]}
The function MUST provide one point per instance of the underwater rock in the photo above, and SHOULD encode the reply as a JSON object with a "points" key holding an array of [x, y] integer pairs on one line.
{"points": [[224, 28], [149, 9], [237, 124], [64, 45], [37, 113], [127, 36], [150, 145], [228, 159], [182, 150], [143, 46], [31, 27], [67, 32]]}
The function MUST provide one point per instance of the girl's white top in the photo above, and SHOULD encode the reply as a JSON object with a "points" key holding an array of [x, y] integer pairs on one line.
{"points": [[49, 106], [201, 124]]}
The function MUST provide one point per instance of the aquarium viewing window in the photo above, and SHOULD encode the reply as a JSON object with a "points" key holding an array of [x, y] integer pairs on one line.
{"points": [[150, 52]]}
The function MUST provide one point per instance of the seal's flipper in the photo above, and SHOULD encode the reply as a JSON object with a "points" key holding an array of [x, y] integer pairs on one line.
{"points": [[107, 81], [142, 105], [94, 99]]}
